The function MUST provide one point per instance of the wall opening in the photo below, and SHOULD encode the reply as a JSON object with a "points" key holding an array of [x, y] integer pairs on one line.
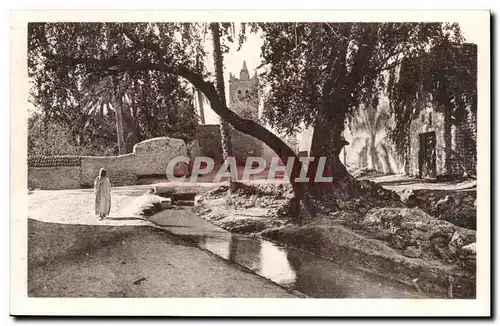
{"points": [[427, 155]]}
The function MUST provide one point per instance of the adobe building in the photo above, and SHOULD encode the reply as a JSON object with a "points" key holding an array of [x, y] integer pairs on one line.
{"points": [[440, 145], [443, 143]]}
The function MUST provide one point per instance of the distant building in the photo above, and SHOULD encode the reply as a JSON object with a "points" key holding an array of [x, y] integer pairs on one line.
{"points": [[243, 96], [243, 100]]}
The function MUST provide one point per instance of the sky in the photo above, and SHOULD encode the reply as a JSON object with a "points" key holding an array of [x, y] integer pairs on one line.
{"points": [[233, 62]]}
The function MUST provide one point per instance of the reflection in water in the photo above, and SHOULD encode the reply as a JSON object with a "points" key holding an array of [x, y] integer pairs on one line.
{"points": [[323, 278], [219, 246], [246, 252], [275, 264], [315, 276], [261, 257], [295, 269]]}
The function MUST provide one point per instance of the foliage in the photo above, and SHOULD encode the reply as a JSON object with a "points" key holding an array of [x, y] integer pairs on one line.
{"points": [[448, 73], [452, 77], [62, 91], [341, 65], [51, 138], [172, 49]]}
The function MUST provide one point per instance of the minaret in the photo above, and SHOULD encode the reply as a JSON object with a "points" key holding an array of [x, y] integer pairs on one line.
{"points": [[244, 72]]}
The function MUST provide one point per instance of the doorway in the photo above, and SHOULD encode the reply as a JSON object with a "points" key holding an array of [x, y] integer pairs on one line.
{"points": [[427, 155]]}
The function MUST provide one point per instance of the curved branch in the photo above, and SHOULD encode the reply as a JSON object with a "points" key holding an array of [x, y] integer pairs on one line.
{"points": [[246, 126]]}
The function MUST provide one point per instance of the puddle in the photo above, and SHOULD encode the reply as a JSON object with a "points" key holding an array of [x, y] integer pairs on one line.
{"points": [[291, 268]]}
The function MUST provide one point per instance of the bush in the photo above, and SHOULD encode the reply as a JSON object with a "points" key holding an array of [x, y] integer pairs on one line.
{"points": [[50, 138]]}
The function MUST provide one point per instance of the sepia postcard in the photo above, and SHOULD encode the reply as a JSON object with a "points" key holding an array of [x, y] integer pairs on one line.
{"points": [[250, 163]]}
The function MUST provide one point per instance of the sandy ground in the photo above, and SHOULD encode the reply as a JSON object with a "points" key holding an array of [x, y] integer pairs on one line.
{"points": [[71, 254]]}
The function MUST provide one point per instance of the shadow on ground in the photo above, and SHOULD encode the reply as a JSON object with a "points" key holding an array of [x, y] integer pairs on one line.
{"points": [[71, 260]]}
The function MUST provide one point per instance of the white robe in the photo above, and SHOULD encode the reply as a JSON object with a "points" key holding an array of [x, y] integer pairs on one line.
{"points": [[102, 196]]}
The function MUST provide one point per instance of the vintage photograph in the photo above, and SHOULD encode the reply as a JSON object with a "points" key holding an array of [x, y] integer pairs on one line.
{"points": [[254, 159]]}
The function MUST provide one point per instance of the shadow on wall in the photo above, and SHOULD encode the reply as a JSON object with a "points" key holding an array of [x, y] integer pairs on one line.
{"points": [[369, 143]]}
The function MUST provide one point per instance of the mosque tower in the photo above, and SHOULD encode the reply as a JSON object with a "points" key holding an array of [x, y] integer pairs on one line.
{"points": [[243, 98]]}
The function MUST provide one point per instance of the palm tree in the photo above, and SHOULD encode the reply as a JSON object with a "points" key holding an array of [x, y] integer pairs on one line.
{"points": [[219, 76], [109, 94]]}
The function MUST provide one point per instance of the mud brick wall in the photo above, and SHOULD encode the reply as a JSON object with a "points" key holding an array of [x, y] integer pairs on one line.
{"points": [[245, 146], [209, 141], [55, 172], [464, 156], [54, 177], [153, 155], [149, 157], [120, 169]]}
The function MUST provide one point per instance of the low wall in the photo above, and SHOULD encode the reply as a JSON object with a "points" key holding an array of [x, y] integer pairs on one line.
{"points": [[120, 169], [54, 177], [209, 141], [54, 172], [149, 157]]}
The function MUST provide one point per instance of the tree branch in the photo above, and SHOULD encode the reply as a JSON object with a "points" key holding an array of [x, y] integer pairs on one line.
{"points": [[336, 34], [246, 126]]}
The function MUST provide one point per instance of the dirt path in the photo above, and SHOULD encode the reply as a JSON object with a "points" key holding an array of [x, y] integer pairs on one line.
{"points": [[71, 254], [400, 182]]}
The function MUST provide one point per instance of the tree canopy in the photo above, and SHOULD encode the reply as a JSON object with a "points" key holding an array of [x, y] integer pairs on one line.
{"points": [[447, 73], [155, 103], [307, 63]]}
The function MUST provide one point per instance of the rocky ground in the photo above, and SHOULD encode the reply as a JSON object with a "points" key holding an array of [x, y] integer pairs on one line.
{"points": [[400, 242], [453, 200]]}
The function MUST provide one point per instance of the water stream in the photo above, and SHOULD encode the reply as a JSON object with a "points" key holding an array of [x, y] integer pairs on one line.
{"points": [[294, 269]]}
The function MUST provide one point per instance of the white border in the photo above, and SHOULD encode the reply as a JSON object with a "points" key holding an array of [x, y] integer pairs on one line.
{"points": [[22, 305]]}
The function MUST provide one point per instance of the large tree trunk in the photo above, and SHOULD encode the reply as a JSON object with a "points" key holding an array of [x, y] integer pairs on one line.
{"points": [[328, 142], [225, 130]]}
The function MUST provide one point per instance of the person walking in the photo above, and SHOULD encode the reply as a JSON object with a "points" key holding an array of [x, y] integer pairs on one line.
{"points": [[102, 188]]}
